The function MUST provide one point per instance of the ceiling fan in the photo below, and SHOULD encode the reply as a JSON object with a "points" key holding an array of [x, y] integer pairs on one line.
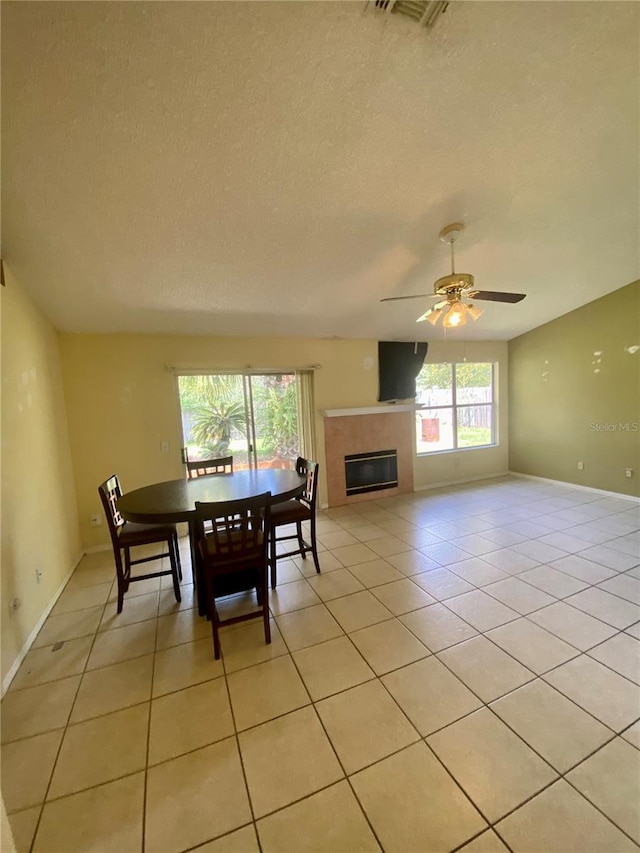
{"points": [[454, 288]]}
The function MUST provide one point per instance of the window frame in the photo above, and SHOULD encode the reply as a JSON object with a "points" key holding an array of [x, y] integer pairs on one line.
{"points": [[454, 406]]}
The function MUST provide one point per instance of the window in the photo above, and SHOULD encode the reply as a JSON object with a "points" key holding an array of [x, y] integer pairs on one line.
{"points": [[458, 407], [261, 419]]}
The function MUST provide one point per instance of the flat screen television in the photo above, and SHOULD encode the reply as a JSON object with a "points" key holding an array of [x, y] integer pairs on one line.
{"points": [[399, 362]]}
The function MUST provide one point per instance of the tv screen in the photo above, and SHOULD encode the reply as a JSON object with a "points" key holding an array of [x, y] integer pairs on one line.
{"points": [[399, 362]]}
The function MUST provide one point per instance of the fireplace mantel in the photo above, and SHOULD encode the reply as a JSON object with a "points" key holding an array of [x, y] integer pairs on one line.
{"points": [[369, 410]]}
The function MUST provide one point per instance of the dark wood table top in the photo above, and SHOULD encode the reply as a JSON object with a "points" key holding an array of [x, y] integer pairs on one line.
{"points": [[175, 500]]}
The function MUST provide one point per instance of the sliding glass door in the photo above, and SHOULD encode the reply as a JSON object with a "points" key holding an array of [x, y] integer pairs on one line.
{"points": [[254, 417]]}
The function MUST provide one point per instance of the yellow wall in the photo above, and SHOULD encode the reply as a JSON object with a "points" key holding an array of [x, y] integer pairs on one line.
{"points": [[39, 514], [558, 400], [122, 402]]}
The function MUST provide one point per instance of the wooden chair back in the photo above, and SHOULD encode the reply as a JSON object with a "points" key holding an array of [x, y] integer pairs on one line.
{"points": [[308, 469], [208, 467], [109, 492], [232, 539], [233, 532]]}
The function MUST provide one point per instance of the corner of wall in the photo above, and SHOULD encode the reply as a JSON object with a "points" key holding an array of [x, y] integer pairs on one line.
{"points": [[39, 524]]}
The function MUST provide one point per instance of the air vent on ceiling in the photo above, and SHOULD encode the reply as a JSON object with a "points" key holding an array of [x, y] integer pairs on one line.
{"points": [[425, 12]]}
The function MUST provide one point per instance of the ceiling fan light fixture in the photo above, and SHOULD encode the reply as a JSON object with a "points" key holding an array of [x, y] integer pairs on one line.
{"points": [[474, 312], [455, 316], [434, 316]]}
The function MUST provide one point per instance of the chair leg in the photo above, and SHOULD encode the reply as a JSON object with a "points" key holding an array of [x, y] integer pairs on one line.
{"points": [[301, 540], [213, 615], [265, 611], [272, 548], [176, 549], [127, 569], [197, 571], [120, 575], [267, 626], [120, 592], [214, 630], [174, 558], [314, 545]]}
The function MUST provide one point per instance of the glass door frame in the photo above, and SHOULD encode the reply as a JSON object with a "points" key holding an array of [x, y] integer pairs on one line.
{"points": [[246, 375], [250, 420]]}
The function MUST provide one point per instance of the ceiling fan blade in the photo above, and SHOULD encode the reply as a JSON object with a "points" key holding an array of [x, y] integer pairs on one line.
{"points": [[416, 296], [495, 296], [429, 311]]}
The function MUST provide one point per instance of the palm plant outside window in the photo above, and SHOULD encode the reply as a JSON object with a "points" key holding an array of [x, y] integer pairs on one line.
{"points": [[457, 406]]}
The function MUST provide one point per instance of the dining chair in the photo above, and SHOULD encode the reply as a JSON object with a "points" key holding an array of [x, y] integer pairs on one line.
{"points": [[126, 535], [232, 540], [296, 511], [208, 467]]}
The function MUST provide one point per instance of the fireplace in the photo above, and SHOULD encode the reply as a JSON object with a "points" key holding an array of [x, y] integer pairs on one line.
{"points": [[352, 436], [371, 472]]}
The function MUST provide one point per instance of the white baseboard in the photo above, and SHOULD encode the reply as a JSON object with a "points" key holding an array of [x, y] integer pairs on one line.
{"points": [[461, 482], [6, 681], [601, 492]]}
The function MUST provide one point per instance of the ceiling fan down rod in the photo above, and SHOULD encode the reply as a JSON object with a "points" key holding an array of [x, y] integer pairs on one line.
{"points": [[449, 234]]}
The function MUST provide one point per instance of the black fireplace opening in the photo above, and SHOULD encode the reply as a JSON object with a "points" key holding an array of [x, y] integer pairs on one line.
{"points": [[371, 472]]}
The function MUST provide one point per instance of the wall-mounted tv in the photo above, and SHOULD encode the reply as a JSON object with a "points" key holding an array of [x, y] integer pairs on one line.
{"points": [[399, 362]]}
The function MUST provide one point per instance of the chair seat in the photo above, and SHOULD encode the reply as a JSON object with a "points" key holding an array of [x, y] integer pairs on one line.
{"points": [[289, 512], [132, 533]]}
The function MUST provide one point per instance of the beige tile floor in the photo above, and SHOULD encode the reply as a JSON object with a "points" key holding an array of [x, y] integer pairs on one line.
{"points": [[463, 675]]}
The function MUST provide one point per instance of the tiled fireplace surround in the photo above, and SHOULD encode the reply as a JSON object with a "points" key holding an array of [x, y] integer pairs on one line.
{"points": [[348, 431]]}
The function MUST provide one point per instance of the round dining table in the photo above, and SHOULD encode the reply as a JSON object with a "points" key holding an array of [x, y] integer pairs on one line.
{"points": [[175, 501]]}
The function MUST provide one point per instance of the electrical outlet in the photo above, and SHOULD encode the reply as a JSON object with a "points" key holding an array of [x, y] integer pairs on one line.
{"points": [[628, 472], [38, 575], [14, 605], [580, 466], [165, 446], [95, 520]]}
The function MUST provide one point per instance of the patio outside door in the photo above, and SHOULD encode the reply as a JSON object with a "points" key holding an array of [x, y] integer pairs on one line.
{"points": [[253, 417]]}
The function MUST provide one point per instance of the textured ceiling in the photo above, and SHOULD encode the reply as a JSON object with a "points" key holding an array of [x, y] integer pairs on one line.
{"points": [[278, 168]]}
